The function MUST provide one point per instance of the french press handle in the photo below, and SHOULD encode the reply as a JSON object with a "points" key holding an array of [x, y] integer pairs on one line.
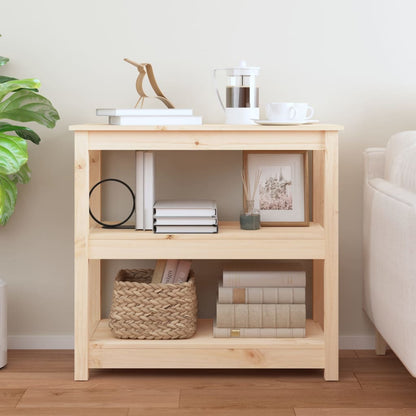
{"points": [[214, 74]]}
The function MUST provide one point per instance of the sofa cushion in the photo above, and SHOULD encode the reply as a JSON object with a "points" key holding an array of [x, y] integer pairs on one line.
{"points": [[400, 161]]}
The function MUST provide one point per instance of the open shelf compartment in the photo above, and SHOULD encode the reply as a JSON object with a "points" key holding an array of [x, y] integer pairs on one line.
{"points": [[204, 351]]}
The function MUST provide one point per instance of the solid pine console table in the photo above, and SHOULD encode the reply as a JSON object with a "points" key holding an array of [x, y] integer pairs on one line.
{"points": [[95, 347]]}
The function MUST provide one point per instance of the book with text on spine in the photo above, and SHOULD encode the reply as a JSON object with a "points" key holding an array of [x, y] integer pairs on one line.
{"points": [[258, 332], [244, 315], [261, 294], [170, 271], [263, 278]]}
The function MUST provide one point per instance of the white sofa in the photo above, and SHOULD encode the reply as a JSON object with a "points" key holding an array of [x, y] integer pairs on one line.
{"points": [[389, 238]]}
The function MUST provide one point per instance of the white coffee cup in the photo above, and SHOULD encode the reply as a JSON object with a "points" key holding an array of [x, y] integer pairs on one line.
{"points": [[281, 112], [303, 112]]}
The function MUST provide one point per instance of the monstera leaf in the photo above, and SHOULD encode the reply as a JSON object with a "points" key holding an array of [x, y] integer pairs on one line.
{"points": [[19, 101]]}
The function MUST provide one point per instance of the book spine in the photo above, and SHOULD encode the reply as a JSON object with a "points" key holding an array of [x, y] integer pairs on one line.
{"points": [[263, 278], [185, 220], [185, 229], [149, 190], [261, 294], [170, 271], [139, 200], [258, 332], [159, 270], [182, 271], [184, 212], [144, 112], [154, 120], [261, 315]]}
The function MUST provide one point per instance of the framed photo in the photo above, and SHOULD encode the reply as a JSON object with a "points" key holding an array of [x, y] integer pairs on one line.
{"points": [[282, 192]]}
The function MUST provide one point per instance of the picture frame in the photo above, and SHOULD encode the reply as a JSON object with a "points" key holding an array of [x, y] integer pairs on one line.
{"points": [[282, 195]]}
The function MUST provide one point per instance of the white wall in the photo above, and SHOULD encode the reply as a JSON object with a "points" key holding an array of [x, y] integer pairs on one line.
{"points": [[354, 61]]}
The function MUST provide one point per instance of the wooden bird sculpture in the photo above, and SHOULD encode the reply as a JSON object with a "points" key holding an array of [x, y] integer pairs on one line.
{"points": [[143, 70]]}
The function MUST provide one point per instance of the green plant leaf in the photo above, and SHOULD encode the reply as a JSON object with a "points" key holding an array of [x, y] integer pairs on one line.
{"points": [[23, 176], [13, 154], [8, 195], [22, 131], [3, 60], [17, 84], [3, 78], [27, 106]]}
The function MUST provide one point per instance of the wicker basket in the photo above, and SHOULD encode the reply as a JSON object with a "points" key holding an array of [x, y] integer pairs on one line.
{"points": [[144, 310]]}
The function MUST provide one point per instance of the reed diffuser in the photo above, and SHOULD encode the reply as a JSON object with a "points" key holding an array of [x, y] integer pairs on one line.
{"points": [[250, 216]]}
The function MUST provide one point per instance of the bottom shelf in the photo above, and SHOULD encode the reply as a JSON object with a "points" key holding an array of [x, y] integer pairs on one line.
{"points": [[204, 351]]}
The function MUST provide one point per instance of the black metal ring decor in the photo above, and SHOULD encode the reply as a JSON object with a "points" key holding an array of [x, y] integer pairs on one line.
{"points": [[132, 209]]}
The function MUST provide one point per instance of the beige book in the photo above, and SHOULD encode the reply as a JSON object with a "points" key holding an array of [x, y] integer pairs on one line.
{"points": [[159, 270], [261, 294], [258, 332], [261, 315], [263, 278], [182, 271], [170, 271]]}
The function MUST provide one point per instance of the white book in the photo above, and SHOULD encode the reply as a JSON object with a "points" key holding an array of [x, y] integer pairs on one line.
{"points": [[263, 278], [186, 229], [149, 189], [144, 112], [154, 120], [139, 190], [185, 208], [185, 220]]}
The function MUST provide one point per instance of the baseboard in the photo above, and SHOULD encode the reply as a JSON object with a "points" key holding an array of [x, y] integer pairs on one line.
{"points": [[64, 342], [40, 342]]}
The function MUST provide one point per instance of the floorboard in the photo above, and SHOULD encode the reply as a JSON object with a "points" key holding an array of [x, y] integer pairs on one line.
{"points": [[40, 383]]}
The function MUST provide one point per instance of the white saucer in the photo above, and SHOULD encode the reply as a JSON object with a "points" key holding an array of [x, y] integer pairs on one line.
{"points": [[284, 123]]}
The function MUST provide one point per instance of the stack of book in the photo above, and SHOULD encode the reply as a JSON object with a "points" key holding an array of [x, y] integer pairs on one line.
{"points": [[149, 116], [185, 217], [145, 190], [261, 303], [171, 271]]}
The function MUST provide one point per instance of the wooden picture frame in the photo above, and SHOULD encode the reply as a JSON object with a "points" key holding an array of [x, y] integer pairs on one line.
{"points": [[283, 192]]}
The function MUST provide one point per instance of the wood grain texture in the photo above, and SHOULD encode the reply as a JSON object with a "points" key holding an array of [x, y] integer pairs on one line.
{"points": [[99, 397], [71, 411], [355, 412], [317, 241], [209, 412], [81, 267], [40, 383], [10, 397]]}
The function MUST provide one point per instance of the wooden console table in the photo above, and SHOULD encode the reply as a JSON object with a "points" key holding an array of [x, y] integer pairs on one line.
{"points": [[94, 345]]}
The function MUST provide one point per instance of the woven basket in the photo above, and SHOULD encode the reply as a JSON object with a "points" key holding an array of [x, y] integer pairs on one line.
{"points": [[144, 310]]}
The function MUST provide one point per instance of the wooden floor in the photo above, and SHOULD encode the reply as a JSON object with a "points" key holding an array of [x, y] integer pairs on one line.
{"points": [[39, 383]]}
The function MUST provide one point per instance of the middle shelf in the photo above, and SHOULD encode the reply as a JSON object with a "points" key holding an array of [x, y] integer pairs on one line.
{"points": [[229, 243]]}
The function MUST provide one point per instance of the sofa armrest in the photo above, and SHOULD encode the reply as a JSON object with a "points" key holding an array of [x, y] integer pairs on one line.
{"points": [[393, 191], [374, 162]]}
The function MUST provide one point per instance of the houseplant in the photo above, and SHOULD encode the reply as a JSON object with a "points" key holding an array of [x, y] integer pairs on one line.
{"points": [[21, 102]]}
